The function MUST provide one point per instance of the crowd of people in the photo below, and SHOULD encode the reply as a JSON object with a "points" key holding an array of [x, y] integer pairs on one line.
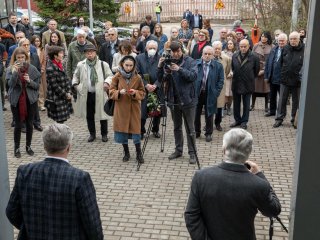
{"points": [[189, 71], [214, 74]]}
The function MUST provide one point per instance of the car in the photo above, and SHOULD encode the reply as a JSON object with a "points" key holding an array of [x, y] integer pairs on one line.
{"points": [[34, 16]]}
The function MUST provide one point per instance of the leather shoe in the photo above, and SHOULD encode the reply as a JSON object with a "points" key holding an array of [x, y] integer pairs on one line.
{"points": [[156, 134], [235, 124], [244, 126], [139, 158], [17, 153], [39, 128], [192, 159], [91, 138], [175, 155], [219, 128], [198, 135], [29, 151], [105, 138], [277, 124], [126, 157], [208, 138], [269, 114]]}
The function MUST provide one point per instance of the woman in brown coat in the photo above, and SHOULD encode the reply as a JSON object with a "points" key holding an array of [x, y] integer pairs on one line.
{"points": [[127, 90], [262, 50]]}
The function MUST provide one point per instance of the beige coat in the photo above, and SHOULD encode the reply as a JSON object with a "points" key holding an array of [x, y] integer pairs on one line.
{"points": [[226, 63], [80, 80], [127, 109]]}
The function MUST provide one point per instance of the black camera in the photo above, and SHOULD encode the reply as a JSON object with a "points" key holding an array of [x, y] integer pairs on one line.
{"points": [[167, 57]]}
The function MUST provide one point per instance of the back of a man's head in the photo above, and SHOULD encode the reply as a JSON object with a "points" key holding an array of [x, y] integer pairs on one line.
{"points": [[56, 138], [237, 145]]}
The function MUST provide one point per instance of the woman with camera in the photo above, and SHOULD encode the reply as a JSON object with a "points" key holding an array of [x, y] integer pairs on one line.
{"points": [[23, 80], [127, 90], [58, 102]]}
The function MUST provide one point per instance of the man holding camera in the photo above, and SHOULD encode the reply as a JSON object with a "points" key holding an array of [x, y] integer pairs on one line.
{"points": [[227, 208], [180, 74]]}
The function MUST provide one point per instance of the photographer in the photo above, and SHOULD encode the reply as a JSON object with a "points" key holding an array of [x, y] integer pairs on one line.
{"points": [[224, 199], [180, 73]]}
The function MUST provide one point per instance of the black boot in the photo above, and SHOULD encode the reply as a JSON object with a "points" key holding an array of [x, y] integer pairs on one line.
{"points": [[139, 153], [253, 102], [126, 156], [266, 100]]}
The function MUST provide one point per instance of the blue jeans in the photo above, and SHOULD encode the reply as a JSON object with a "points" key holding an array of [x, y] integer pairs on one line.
{"points": [[237, 107], [158, 17]]}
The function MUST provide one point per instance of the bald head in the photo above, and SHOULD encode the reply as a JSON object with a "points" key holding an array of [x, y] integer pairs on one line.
{"points": [[244, 46]]}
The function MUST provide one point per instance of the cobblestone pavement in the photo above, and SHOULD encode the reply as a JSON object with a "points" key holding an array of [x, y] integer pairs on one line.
{"points": [[149, 204]]}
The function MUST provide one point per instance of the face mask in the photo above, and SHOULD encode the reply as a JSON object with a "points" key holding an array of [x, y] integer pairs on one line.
{"points": [[152, 52]]}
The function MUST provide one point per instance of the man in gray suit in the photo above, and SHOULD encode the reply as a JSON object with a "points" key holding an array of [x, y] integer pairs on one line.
{"points": [[225, 199], [53, 200]]}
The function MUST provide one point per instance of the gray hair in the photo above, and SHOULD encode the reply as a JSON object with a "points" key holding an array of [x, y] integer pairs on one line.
{"points": [[151, 42], [208, 47], [81, 32], [22, 40], [294, 34], [113, 29], [283, 35], [216, 44], [145, 28], [56, 138], [237, 144]]}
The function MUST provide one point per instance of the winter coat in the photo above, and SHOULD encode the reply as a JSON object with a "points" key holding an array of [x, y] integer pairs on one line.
{"points": [[116, 60], [74, 57], [226, 63], [272, 71], [58, 86], [29, 30], [19, 28], [146, 66], [15, 86], [46, 37], [214, 84], [262, 51], [244, 73], [105, 52], [127, 109], [196, 54], [141, 45], [80, 79], [181, 85], [291, 63]]}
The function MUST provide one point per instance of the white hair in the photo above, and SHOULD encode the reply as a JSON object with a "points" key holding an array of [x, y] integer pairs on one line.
{"points": [[294, 34], [151, 42], [82, 33], [216, 44], [237, 144], [56, 137], [283, 35], [147, 28], [208, 47], [113, 29]]}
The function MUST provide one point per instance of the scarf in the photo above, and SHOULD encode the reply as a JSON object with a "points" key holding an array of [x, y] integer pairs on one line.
{"points": [[126, 75], [201, 45], [81, 47], [58, 64], [93, 72], [23, 113]]}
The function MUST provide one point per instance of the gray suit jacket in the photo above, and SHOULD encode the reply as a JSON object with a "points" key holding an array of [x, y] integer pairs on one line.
{"points": [[224, 201], [53, 200]]}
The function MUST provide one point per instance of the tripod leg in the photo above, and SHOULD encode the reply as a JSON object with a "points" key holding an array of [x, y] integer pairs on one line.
{"points": [[163, 132], [147, 136]]}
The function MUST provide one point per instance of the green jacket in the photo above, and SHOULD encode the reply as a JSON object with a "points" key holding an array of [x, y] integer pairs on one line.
{"points": [[74, 56]]}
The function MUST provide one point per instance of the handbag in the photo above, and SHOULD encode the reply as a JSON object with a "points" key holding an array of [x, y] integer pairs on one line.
{"points": [[109, 105]]}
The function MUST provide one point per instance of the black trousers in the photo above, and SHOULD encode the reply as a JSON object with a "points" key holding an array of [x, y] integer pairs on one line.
{"points": [[31, 109], [218, 118], [274, 91], [91, 110], [282, 105], [208, 119]]}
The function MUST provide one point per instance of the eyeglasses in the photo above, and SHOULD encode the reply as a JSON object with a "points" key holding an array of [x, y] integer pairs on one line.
{"points": [[111, 34], [202, 35], [26, 45]]}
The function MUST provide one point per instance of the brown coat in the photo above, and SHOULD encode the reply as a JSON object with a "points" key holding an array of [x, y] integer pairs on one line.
{"points": [[262, 51], [226, 63], [127, 109]]}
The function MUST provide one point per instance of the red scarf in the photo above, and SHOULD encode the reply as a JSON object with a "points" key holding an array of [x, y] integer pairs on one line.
{"points": [[58, 64], [201, 45], [23, 113]]}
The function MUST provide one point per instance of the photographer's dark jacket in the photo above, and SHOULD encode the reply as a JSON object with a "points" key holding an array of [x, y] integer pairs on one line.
{"points": [[15, 86], [226, 209], [181, 85], [244, 73], [291, 63]]}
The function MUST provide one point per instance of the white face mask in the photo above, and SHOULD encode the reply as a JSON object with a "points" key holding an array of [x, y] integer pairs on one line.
{"points": [[151, 52]]}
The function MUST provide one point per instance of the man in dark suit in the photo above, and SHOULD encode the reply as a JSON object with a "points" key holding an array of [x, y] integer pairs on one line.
{"points": [[245, 66], [148, 22], [209, 85], [13, 26], [196, 20], [51, 199], [187, 15], [225, 199], [109, 48]]}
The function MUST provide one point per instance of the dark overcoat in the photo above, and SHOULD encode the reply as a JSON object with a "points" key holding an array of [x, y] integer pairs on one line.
{"points": [[58, 85], [244, 73], [127, 109]]}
